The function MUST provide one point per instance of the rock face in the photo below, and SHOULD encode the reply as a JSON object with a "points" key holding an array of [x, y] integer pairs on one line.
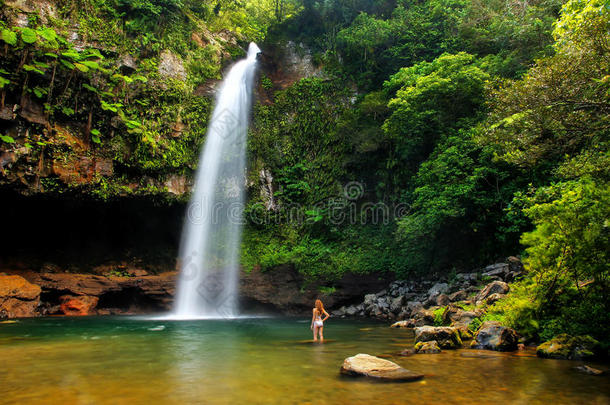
{"points": [[567, 347], [18, 297], [446, 337], [177, 185], [84, 294], [78, 305], [410, 302], [82, 170], [283, 289], [287, 63], [373, 367], [144, 293], [430, 347], [170, 66], [493, 336], [267, 189]]}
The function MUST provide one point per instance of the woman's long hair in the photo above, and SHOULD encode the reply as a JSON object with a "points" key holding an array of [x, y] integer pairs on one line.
{"points": [[320, 307]]}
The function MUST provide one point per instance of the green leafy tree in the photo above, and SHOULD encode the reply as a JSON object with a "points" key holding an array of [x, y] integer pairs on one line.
{"points": [[457, 207], [373, 47], [433, 101], [508, 36], [569, 245], [562, 106], [555, 123]]}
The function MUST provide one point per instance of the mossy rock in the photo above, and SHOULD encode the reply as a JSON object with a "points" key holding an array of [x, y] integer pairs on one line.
{"points": [[446, 337], [567, 347], [430, 347], [465, 333]]}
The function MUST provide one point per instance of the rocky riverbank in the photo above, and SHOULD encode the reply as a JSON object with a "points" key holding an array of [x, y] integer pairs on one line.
{"points": [[29, 293], [451, 314], [124, 290], [446, 314], [416, 303]]}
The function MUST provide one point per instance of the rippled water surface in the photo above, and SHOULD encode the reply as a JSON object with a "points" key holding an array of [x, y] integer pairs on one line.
{"points": [[127, 360]]}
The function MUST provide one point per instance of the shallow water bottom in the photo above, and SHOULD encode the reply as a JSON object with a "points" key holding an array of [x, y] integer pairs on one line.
{"points": [[130, 360]]}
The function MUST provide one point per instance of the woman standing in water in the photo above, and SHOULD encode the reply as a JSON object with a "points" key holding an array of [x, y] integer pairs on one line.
{"points": [[317, 323]]}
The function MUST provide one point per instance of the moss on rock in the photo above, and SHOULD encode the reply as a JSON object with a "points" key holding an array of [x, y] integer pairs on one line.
{"points": [[568, 347]]}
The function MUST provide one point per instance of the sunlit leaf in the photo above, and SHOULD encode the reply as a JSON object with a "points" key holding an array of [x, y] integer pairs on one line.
{"points": [[81, 67], [10, 37], [71, 54], [91, 64], [90, 88], [67, 64], [47, 33], [30, 68], [28, 35]]}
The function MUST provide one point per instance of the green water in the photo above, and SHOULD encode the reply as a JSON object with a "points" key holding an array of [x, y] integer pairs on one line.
{"points": [[126, 360]]}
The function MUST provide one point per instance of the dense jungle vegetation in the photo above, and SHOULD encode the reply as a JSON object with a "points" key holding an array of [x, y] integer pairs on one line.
{"points": [[438, 135]]}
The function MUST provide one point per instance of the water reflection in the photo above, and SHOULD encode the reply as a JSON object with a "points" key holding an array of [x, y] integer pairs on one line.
{"points": [[132, 361]]}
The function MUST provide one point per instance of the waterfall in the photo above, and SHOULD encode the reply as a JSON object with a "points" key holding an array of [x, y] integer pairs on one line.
{"points": [[211, 236]]}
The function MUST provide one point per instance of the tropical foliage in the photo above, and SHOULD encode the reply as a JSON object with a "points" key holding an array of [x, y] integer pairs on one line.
{"points": [[435, 136]]}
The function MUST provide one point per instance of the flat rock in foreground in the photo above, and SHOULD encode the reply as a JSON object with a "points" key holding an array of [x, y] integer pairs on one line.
{"points": [[374, 367]]}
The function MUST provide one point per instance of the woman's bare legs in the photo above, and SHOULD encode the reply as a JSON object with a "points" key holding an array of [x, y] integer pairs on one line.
{"points": [[315, 333], [321, 330]]}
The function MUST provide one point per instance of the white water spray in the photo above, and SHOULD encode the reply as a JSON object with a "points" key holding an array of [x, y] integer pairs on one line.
{"points": [[209, 250]]}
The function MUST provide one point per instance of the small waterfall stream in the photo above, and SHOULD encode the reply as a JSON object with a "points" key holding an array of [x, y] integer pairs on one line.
{"points": [[209, 250]]}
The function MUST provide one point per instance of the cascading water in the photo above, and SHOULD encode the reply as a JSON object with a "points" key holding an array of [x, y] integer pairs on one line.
{"points": [[209, 250]]}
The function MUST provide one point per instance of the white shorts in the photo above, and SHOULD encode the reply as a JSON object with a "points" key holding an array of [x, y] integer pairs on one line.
{"points": [[319, 324]]}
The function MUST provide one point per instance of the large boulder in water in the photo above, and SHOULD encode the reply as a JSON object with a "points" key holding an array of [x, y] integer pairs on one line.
{"points": [[18, 297], [446, 337], [494, 336], [567, 347], [419, 318], [373, 367]]}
